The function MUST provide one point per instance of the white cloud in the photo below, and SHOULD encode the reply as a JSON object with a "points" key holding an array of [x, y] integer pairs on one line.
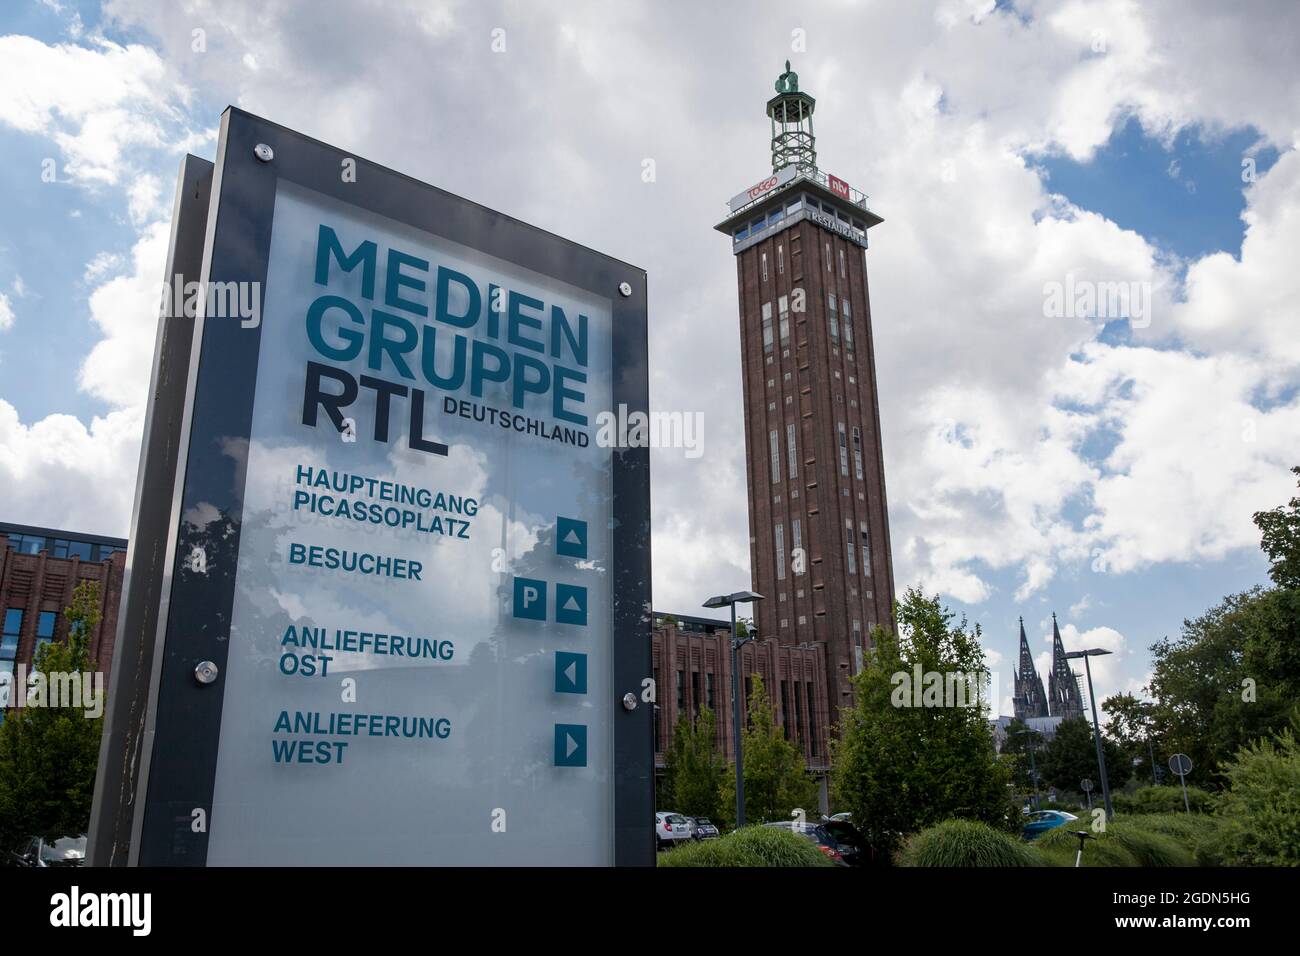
{"points": [[6, 313], [125, 309], [102, 264], [61, 473], [96, 101]]}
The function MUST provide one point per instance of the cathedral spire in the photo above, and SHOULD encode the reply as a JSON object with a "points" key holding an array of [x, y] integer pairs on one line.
{"points": [[1067, 702], [1029, 699]]}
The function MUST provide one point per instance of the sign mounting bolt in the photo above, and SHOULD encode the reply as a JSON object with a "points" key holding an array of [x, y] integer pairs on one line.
{"points": [[205, 673], [625, 289], [263, 152]]}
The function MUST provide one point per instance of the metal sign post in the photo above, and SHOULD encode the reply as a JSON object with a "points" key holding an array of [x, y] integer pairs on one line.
{"points": [[1181, 764]]}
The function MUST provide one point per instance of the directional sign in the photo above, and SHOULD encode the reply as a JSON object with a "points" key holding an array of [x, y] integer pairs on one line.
{"points": [[571, 538], [570, 673], [571, 604], [570, 745], [392, 465]]}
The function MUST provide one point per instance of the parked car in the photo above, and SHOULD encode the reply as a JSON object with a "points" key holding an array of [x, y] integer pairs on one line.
{"points": [[838, 839], [670, 829], [56, 849], [1041, 821], [702, 828]]}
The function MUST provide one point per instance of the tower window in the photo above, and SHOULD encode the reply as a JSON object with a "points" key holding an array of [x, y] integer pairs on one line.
{"points": [[767, 326], [774, 437], [848, 323], [866, 550], [857, 452], [783, 316], [843, 271], [780, 259], [780, 552], [791, 450], [844, 450], [762, 259], [833, 316], [828, 257], [848, 535]]}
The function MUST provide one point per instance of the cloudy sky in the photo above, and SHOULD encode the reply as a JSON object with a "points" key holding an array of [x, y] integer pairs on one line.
{"points": [[1103, 466]]}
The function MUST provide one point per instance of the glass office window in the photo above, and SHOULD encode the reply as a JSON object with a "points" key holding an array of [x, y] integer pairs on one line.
{"points": [[45, 625], [13, 627]]}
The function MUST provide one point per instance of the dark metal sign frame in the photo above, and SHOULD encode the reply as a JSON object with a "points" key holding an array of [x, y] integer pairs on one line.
{"points": [[161, 739]]}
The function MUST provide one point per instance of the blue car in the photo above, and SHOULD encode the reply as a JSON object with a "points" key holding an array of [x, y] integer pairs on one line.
{"points": [[1044, 820]]}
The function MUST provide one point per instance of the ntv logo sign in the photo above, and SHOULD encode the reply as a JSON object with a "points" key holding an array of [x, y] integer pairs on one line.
{"points": [[75, 909]]}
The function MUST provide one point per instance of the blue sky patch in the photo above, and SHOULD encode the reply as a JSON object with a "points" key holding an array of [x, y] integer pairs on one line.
{"points": [[1186, 198]]}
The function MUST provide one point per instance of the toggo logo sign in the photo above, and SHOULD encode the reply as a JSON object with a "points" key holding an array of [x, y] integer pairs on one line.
{"points": [[762, 187], [766, 186]]}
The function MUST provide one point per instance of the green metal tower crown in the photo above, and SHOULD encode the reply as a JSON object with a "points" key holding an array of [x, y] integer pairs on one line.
{"points": [[793, 141]]}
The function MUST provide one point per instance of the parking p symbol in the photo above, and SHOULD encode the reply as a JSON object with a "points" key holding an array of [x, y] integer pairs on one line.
{"points": [[530, 599]]}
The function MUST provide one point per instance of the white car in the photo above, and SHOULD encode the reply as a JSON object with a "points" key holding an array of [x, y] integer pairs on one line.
{"points": [[671, 829]]}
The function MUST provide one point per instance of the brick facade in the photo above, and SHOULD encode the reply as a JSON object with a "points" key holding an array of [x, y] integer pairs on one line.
{"points": [[42, 582], [817, 384], [692, 669]]}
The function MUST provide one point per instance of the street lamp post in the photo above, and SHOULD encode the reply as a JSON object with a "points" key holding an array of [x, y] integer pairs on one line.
{"points": [[731, 600], [1033, 766], [1096, 724]]}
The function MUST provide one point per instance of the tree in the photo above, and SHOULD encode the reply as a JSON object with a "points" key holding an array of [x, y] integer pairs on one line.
{"points": [[694, 769], [776, 776], [1231, 677], [48, 755], [899, 768], [1280, 538], [1071, 756], [1017, 752], [1260, 808], [1131, 726]]}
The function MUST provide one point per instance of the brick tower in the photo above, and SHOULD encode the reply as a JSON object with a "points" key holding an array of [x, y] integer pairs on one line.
{"points": [[819, 528]]}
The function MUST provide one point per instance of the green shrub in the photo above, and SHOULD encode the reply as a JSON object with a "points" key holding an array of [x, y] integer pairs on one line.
{"points": [[1162, 800], [1059, 846], [1260, 810], [1198, 832], [1149, 847], [966, 843], [751, 846]]}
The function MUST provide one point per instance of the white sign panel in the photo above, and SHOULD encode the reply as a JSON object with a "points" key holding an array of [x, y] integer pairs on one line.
{"points": [[419, 666]]}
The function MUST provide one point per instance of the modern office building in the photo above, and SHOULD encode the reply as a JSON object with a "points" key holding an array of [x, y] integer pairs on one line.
{"points": [[819, 526], [39, 569]]}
